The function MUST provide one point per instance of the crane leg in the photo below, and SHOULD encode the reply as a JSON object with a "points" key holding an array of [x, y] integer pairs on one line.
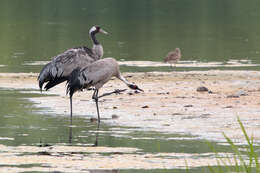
{"points": [[96, 142], [70, 134], [95, 97], [70, 110]]}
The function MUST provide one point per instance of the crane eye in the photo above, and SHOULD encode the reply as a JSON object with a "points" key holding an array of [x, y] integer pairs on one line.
{"points": [[98, 28]]}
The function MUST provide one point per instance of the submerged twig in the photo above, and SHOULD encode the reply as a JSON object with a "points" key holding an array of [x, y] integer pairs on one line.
{"points": [[117, 91]]}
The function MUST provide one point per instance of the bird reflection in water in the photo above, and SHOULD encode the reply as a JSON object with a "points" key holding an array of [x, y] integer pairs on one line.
{"points": [[96, 140]]}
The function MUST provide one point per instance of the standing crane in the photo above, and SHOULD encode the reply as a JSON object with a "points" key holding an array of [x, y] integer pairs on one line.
{"points": [[95, 75], [61, 66]]}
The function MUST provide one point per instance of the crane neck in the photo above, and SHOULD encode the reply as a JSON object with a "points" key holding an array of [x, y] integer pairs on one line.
{"points": [[123, 80], [94, 39], [97, 47], [98, 50]]}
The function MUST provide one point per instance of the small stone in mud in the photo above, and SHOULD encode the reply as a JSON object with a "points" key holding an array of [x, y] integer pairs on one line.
{"points": [[238, 94], [188, 106], [228, 107], [233, 96], [176, 114], [204, 116], [93, 119], [114, 116], [181, 97], [241, 93], [44, 144], [145, 106], [163, 93], [45, 153], [202, 89], [166, 125]]}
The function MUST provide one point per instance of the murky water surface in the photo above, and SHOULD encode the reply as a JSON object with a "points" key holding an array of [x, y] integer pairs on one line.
{"points": [[146, 30]]}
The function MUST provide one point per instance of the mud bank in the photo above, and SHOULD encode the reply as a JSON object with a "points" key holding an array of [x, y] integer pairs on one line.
{"points": [[170, 103], [84, 159]]}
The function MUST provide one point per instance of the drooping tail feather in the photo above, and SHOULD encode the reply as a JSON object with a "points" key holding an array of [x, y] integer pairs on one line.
{"points": [[50, 74], [54, 82], [44, 75]]}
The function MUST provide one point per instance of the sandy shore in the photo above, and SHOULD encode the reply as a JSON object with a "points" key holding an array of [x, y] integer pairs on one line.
{"points": [[170, 103]]}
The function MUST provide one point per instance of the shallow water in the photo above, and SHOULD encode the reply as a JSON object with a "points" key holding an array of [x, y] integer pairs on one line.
{"points": [[205, 30], [23, 124]]}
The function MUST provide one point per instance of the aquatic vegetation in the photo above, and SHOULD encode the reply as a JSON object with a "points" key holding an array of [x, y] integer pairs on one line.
{"points": [[243, 161]]}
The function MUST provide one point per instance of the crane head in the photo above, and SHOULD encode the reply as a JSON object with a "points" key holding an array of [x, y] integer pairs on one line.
{"points": [[135, 87], [97, 29]]}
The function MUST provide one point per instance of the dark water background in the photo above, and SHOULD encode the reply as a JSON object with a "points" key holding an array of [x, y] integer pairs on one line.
{"points": [[205, 30]]}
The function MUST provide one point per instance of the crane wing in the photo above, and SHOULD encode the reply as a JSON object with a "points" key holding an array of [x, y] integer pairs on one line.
{"points": [[61, 66]]}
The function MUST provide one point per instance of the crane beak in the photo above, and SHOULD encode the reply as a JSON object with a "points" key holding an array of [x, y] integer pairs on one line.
{"points": [[102, 31], [137, 88]]}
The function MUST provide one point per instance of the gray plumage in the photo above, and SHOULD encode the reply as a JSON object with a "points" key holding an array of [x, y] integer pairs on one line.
{"points": [[62, 65], [173, 57], [96, 75]]}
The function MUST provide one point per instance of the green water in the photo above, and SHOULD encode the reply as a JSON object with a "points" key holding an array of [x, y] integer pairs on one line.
{"points": [[205, 30]]}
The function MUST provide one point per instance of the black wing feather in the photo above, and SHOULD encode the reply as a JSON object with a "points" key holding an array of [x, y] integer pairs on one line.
{"points": [[61, 66], [78, 81]]}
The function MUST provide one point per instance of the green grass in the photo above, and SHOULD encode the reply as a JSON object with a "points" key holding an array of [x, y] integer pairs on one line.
{"points": [[245, 161]]}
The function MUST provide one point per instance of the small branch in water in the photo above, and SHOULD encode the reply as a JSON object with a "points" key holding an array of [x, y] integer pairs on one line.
{"points": [[117, 91]]}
